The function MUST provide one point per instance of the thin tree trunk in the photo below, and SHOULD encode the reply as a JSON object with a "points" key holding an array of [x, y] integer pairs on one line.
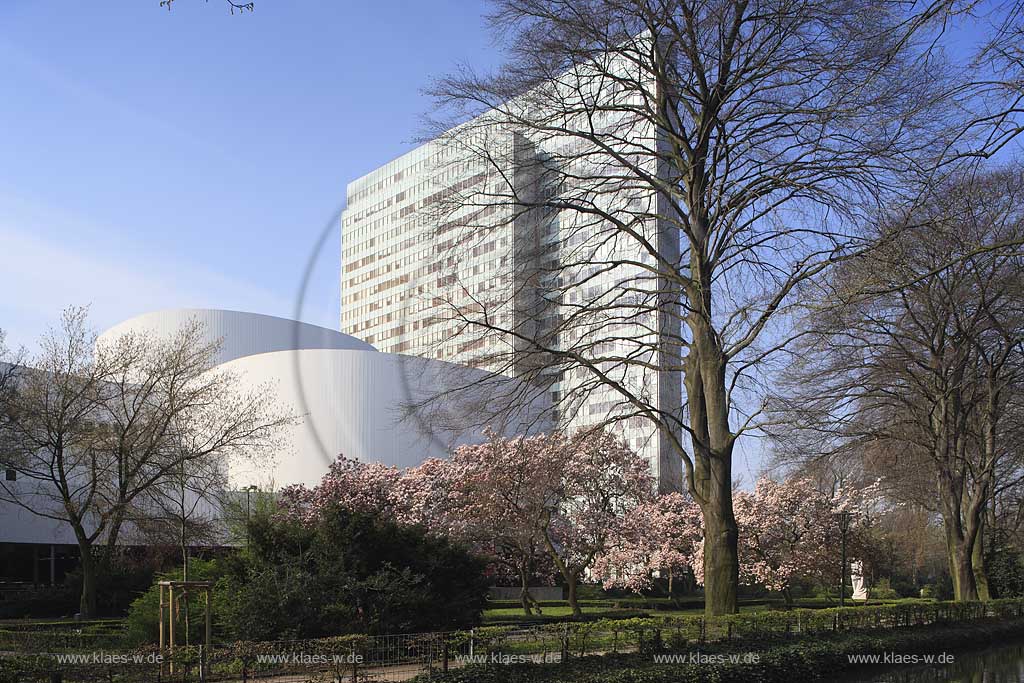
{"points": [[571, 577], [87, 600], [571, 582], [524, 594]]}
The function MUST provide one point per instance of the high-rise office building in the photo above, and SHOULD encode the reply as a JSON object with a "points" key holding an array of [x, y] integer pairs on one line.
{"points": [[461, 231]]}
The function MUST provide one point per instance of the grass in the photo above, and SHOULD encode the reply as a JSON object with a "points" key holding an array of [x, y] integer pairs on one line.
{"points": [[510, 612], [505, 615]]}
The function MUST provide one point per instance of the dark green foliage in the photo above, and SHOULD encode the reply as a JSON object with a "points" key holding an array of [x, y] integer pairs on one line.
{"points": [[273, 603], [883, 590], [351, 573], [141, 624], [119, 581], [1005, 566], [27, 637], [55, 602]]}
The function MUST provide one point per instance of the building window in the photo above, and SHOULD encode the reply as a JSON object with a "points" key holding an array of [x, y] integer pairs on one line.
{"points": [[11, 475]]}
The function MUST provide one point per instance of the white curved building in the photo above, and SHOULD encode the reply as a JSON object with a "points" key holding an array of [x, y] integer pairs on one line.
{"points": [[349, 398], [374, 407], [239, 333]]}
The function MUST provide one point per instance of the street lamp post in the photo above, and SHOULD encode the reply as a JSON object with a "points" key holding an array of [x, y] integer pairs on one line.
{"points": [[843, 518], [248, 490]]}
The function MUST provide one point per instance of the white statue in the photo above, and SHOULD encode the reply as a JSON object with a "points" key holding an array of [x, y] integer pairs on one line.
{"points": [[860, 590]]}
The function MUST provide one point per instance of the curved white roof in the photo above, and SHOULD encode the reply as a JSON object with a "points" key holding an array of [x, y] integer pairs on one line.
{"points": [[240, 334], [350, 398], [374, 407]]}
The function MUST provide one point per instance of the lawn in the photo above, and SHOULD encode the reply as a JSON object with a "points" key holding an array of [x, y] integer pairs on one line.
{"points": [[504, 612]]}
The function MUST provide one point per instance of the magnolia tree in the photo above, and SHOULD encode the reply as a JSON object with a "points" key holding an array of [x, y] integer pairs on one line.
{"points": [[564, 496], [601, 482], [501, 492], [426, 495], [658, 536], [356, 485], [789, 532], [513, 500]]}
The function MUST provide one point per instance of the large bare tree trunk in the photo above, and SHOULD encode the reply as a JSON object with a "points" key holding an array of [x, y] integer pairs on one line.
{"points": [[959, 545], [964, 587], [711, 485], [721, 561], [980, 573]]}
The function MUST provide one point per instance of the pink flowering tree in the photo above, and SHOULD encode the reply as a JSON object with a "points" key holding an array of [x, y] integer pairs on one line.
{"points": [[601, 481], [563, 496], [424, 494], [500, 491], [657, 536], [789, 531], [514, 500], [486, 496], [353, 484]]}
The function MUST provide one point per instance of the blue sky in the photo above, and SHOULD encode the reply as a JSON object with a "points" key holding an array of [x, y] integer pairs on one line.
{"points": [[156, 159]]}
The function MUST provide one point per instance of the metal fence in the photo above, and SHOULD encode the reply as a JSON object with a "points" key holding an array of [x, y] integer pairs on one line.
{"points": [[403, 657]]}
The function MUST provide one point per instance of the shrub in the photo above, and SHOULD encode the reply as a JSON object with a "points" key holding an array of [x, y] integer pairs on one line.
{"points": [[352, 572], [58, 601], [882, 590], [1005, 567], [142, 621], [817, 658], [272, 604]]}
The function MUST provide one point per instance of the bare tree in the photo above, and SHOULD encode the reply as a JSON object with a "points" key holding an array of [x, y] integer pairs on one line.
{"points": [[670, 173], [94, 428], [165, 410], [185, 510], [913, 363], [9, 364], [49, 434]]}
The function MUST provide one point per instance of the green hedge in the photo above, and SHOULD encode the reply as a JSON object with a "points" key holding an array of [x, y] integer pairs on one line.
{"points": [[780, 661], [775, 632]]}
